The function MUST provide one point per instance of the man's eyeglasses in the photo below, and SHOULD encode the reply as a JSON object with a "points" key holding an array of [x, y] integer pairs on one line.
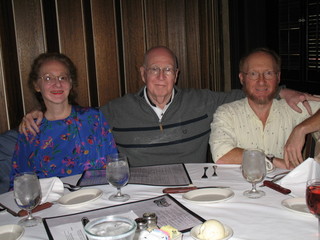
{"points": [[255, 75], [51, 79], [168, 71]]}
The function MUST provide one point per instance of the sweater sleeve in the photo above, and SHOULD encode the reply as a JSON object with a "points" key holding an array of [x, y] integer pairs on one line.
{"points": [[220, 98], [108, 113]]}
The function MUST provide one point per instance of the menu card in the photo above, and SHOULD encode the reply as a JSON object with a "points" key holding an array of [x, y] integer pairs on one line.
{"points": [[168, 210], [158, 175]]}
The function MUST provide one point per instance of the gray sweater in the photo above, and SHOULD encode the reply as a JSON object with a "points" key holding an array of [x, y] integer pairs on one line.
{"points": [[181, 136]]}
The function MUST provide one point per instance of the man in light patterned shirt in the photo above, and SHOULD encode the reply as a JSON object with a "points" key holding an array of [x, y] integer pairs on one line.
{"points": [[258, 121]]}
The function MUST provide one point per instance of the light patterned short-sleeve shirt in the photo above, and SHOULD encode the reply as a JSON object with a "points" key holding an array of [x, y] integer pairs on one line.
{"points": [[236, 125]]}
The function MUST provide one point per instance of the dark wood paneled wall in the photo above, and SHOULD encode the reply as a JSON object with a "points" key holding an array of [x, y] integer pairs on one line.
{"points": [[106, 39]]}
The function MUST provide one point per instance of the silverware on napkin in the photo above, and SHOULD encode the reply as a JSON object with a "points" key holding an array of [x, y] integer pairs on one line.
{"points": [[187, 189]]}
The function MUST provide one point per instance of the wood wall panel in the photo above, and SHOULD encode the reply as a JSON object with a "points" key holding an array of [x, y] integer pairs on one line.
{"points": [[133, 42], [176, 26], [4, 123], [72, 42], [106, 39], [105, 50], [156, 12], [30, 43], [205, 63], [10, 96], [193, 44]]}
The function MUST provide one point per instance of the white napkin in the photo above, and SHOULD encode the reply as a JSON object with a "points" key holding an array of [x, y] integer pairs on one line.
{"points": [[296, 180], [52, 189]]}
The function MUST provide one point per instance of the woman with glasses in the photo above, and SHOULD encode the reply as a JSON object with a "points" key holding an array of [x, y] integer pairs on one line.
{"points": [[72, 138]]}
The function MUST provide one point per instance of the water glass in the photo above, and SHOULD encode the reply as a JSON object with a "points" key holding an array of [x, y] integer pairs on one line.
{"points": [[253, 170], [27, 194]]}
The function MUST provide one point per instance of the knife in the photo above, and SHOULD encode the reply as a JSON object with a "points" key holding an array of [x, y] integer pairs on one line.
{"points": [[38, 208], [187, 189], [276, 187], [13, 213]]}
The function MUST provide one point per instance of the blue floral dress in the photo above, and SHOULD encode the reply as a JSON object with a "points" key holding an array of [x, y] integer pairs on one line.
{"points": [[65, 147]]}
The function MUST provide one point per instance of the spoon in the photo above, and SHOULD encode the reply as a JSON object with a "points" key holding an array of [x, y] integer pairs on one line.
{"points": [[214, 171], [71, 187], [204, 174]]}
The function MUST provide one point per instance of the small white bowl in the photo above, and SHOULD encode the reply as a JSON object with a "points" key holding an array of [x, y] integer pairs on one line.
{"points": [[227, 229]]}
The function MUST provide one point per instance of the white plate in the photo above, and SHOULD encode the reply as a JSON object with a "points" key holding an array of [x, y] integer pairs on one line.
{"points": [[208, 195], [194, 232], [80, 197], [298, 205], [11, 232]]}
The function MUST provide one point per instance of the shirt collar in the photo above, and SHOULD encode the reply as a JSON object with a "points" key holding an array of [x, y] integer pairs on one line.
{"points": [[148, 100]]}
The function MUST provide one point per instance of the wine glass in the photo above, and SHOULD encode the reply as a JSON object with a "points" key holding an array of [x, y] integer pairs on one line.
{"points": [[118, 175], [253, 170], [313, 199], [27, 194]]}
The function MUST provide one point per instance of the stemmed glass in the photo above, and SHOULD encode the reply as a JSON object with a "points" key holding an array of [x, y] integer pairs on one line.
{"points": [[313, 199], [27, 194], [253, 170], [118, 175]]}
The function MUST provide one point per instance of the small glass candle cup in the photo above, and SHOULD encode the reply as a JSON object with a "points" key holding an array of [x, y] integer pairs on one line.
{"points": [[111, 228]]}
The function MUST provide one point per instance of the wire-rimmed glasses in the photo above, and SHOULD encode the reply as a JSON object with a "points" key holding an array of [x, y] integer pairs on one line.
{"points": [[269, 75], [51, 79], [168, 71]]}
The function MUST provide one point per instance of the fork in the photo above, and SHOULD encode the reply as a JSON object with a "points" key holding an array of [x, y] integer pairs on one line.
{"points": [[214, 171], [205, 172], [274, 180], [279, 174]]}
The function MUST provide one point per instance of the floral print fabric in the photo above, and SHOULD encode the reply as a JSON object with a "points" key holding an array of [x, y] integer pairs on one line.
{"points": [[65, 147]]}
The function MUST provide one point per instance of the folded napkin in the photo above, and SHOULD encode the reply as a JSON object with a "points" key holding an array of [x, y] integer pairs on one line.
{"points": [[52, 189], [296, 180]]}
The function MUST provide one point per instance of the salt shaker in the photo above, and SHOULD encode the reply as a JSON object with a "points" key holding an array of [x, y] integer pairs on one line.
{"points": [[141, 228], [151, 220]]}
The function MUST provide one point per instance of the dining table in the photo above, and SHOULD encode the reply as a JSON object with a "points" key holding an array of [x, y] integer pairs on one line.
{"points": [[250, 219]]}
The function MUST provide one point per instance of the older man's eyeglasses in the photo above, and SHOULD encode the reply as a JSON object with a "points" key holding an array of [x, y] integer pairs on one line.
{"points": [[256, 75], [168, 71], [51, 79]]}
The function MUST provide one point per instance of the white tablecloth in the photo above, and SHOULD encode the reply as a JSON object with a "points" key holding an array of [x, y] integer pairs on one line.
{"points": [[263, 218]]}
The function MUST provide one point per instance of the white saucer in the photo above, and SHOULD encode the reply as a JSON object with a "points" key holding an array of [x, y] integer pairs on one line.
{"points": [[208, 195], [80, 197], [297, 205], [11, 232], [195, 230]]}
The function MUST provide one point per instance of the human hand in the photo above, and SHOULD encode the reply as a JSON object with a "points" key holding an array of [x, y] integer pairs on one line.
{"points": [[28, 125], [293, 148], [280, 163], [293, 97]]}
